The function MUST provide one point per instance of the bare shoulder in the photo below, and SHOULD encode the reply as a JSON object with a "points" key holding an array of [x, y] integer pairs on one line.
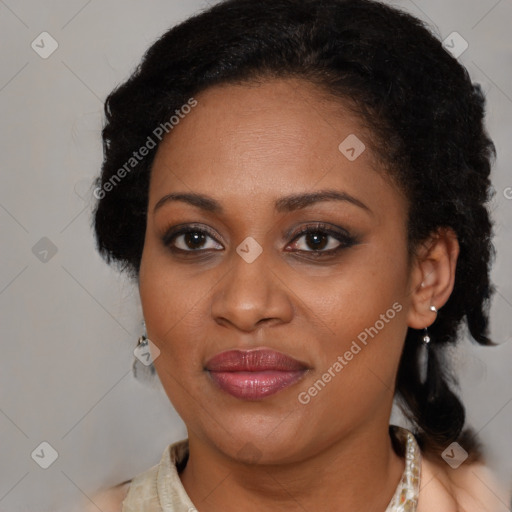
{"points": [[109, 500], [476, 486], [469, 488]]}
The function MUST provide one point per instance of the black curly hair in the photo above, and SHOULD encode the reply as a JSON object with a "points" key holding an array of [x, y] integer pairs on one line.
{"points": [[426, 120]]}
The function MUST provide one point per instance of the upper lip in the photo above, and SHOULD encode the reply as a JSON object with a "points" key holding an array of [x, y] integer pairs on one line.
{"points": [[252, 361]]}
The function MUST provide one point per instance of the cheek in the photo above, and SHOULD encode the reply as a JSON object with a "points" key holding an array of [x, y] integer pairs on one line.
{"points": [[357, 292], [173, 308], [170, 307], [362, 311]]}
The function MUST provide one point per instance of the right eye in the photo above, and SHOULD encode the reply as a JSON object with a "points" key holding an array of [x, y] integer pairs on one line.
{"points": [[190, 239]]}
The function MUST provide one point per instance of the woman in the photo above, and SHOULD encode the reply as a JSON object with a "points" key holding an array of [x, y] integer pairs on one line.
{"points": [[299, 189]]}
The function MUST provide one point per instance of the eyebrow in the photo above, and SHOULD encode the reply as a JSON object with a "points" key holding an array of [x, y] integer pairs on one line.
{"points": [[284, 204]]}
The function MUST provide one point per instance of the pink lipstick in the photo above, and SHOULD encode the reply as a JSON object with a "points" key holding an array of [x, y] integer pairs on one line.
{"points": [[254, 374]]}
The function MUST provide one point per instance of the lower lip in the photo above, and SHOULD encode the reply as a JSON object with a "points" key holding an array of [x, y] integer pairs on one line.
{"points": [[255, 385]]}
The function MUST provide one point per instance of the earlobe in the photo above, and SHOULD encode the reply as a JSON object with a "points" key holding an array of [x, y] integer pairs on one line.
{"points": [[432, 277]]}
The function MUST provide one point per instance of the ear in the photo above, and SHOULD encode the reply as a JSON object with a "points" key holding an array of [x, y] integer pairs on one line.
{"points": [[432, 277]]}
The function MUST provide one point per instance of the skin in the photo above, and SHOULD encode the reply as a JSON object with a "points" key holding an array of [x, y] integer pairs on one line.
{"points": [[247, 146]]}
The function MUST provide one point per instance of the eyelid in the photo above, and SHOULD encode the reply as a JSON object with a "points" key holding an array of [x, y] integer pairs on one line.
{"points": [[320, 226]]}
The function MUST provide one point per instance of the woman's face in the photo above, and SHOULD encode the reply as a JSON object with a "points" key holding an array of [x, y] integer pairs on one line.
{"points": [[245, 283]]}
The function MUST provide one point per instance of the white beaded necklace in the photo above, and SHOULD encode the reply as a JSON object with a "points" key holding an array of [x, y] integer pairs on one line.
{"points": [[405, 498]]}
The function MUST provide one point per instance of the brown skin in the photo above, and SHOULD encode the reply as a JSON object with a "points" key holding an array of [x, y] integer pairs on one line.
{"points": [[247, 146]]}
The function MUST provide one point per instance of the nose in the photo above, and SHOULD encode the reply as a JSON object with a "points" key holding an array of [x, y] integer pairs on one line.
{"points": [[251, 294]]}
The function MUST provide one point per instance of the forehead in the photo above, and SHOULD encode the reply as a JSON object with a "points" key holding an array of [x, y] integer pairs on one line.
{"points": [[275, 137]]}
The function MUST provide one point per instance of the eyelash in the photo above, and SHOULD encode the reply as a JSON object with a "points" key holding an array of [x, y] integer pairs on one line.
{"points": [[345, 239]]}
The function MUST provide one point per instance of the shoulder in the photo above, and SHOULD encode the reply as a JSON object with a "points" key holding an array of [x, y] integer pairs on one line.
{"points": [[109, 500], [469, 488], [142, 488]]}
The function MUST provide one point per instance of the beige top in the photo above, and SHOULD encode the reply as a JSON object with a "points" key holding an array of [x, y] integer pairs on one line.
{"points": [[467, 489], [159, 489]]}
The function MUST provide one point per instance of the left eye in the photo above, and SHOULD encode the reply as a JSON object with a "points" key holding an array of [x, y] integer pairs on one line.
{"points": [[321, 240]]}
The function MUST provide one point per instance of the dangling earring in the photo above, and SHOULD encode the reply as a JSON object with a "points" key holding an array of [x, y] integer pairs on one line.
{"points": [[424, 352], [143, 368]]}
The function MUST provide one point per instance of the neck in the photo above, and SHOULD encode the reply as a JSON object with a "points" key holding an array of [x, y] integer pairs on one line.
{"points": [[358, 473]]}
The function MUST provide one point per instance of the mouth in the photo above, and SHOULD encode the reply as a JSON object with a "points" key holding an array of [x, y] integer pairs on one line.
{"points": [[254, 374]]}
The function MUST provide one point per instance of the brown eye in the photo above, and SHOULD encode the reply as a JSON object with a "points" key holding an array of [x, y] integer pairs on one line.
{"points": [[190, 239], [321, 239], [316, 240]]}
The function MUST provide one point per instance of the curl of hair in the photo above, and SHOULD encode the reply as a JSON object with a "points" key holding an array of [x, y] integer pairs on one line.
{"points": [[425, 120]]}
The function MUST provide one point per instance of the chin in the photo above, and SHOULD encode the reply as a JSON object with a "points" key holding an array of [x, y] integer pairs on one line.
{"points": [[260, 440]]}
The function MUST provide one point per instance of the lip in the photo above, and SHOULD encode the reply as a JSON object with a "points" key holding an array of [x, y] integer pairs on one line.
{"points": [[254, 374]]}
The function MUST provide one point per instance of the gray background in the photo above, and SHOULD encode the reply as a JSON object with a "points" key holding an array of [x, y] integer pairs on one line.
{"points": [[70, 323]]}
